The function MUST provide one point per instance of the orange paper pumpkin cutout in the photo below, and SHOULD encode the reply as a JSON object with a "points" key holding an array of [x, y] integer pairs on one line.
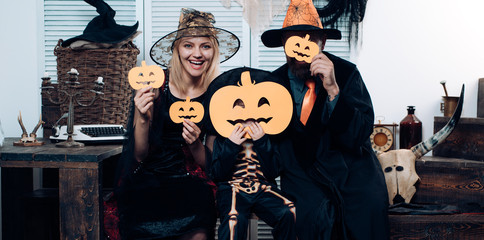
{"points": [[268, 103], [301, 48], [190, 110], [146, 75]]}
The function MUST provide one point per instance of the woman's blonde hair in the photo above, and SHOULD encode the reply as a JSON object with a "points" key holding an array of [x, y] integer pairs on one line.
{"points": [[176, 68]]}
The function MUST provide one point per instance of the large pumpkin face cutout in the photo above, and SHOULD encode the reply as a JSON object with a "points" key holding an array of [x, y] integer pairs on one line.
{"points": [[146, 75], [268, 103], [187, 109], [302, 49]]}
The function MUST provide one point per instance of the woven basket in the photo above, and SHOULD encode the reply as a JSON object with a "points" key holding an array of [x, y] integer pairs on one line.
{"points": [[111, 64]]}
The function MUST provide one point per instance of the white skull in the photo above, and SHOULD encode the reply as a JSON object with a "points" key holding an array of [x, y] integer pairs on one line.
{"points": [[400, 176], [399, 165]]}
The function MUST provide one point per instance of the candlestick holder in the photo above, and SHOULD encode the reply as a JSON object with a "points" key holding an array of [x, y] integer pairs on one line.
{"points": [[72, 93]]}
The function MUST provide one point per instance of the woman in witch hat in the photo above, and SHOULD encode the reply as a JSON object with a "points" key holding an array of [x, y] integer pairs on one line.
{"points": [[163, 192]]}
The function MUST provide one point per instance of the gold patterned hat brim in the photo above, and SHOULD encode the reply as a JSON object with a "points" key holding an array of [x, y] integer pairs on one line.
{"points": [[229, 44]]}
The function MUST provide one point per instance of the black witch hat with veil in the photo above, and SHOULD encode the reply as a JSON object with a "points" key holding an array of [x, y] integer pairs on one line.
{"points": [[195, 23]]}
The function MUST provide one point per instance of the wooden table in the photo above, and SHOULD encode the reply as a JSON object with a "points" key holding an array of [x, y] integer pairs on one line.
{"points": [[80, 180]]}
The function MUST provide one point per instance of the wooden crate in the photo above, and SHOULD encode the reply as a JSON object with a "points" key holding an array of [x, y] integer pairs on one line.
{"points": [[466, 141], [451, 181], [445, 181]]}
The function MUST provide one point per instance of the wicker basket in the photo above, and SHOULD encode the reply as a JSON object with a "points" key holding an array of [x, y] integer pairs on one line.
{"points": [[111, 64]]}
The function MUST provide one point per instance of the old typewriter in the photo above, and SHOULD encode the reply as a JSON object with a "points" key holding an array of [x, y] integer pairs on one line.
{"points": [[91, 134]]}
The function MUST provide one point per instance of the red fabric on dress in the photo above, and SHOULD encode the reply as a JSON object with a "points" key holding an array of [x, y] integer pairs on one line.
{"points": [[111, 218], [195, 170]]}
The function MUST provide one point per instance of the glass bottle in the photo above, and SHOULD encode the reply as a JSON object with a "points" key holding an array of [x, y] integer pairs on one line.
{"points": [[410, 129]]}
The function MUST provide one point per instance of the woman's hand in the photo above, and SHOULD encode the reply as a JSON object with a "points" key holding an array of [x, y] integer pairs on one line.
{"points": [[237, 135], [256, 132], [191, 134], [143, 100], [191, 131]]}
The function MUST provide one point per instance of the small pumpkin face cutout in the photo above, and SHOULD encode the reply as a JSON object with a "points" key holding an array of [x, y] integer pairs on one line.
{"points": [[190, 110], [267, 103], [302, 49], [146, 75]]}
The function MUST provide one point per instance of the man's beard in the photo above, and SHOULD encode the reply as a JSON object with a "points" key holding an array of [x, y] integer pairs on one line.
{"points": [[299, 69]]}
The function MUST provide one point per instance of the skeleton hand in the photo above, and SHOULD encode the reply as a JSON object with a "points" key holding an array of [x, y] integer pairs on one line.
{"points": [[256, 131], [191, 131], [237, 135]]}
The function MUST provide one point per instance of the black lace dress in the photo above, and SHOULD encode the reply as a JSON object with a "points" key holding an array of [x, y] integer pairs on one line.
{"points": [[167, 195]]}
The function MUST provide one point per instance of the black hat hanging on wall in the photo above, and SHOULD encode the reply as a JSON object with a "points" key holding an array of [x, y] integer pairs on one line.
{"points": [[103, 31]]}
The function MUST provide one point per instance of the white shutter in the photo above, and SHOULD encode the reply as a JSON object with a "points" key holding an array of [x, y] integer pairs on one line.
{"points": [[68, 18]]}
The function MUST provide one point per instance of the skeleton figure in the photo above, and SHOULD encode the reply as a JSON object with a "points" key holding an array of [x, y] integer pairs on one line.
{"points": [[29, 138], [399, 165], [248, 179]]}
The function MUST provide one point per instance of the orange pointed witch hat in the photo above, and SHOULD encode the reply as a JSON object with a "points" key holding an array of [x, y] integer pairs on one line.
{"points": [[301, 16]]}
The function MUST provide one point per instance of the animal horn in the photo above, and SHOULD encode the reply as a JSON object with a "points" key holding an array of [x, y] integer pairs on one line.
{"points": [[424, 147], [37, 127], [24, 131]]}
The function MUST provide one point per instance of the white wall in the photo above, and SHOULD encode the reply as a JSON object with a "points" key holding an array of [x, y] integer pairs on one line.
{"points": [[408, 48], [19, 69]]}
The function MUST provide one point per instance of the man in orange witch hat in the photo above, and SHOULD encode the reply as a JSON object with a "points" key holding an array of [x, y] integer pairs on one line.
{"points": [[328, 166]]}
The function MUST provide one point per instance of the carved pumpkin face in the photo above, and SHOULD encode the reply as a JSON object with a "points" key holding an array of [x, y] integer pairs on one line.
{"points": [[190, 110], [268, 103], [301, 48], [144, 76]]}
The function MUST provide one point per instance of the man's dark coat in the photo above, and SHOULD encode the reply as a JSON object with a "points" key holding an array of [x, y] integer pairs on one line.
{"points": [[328, 166]]}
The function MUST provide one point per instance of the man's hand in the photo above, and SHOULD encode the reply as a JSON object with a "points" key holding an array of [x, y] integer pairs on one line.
{"points": [[237, 135], [322, 67]]}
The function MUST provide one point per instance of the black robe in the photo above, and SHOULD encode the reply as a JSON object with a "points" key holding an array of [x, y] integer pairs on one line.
{"points": [[328, 166]]}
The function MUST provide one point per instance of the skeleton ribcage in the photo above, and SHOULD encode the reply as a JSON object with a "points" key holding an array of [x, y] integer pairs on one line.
{"points": [[247, 173], [246, 178]]}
